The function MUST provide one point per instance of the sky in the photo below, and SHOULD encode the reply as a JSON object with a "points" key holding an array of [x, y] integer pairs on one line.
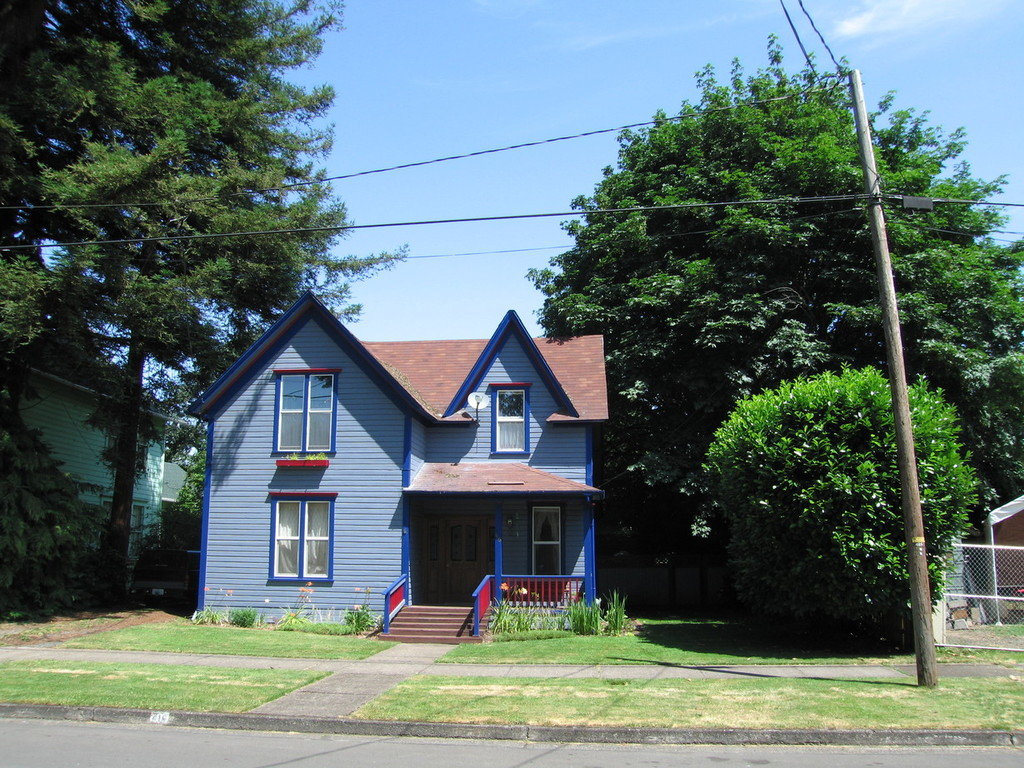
{"points": [[419, 80]]}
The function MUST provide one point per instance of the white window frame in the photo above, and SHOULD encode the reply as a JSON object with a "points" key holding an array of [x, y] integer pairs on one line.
{"points": [[302, 539], [534, 541], [509, 420], [307, 410]]}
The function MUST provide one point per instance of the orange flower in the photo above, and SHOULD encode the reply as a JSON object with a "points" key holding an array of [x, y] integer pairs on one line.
{"points": [[504, 586], [206, 589], [231, 591], [309, 583]]}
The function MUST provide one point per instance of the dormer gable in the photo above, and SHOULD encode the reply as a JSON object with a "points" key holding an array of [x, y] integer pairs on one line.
{"points": [[511, 327]]}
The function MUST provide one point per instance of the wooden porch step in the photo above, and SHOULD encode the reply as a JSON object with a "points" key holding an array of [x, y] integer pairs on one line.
{"points": [[432, 624]]}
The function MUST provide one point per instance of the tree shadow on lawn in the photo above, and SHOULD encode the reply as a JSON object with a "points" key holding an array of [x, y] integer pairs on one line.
{"points": [[744, 637]]}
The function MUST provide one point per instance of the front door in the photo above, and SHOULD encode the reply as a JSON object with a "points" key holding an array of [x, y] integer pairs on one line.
{"points": [[457, 552]]}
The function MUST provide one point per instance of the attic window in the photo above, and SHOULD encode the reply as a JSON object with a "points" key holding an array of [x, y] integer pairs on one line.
{"points": [[510, 432]]}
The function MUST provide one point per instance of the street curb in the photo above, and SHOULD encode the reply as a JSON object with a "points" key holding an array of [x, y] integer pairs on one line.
{"points": [[533, 733]]}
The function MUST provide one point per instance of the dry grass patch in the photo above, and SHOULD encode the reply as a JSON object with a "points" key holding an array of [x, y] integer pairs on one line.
{"points": [[986, 703], [147, 686]]}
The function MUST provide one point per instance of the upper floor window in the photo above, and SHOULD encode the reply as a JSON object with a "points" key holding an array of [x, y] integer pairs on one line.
{"points": [[511, 433], [305, 411]]}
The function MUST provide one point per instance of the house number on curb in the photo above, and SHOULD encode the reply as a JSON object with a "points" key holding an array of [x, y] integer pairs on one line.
{"points": [[160, 718]]}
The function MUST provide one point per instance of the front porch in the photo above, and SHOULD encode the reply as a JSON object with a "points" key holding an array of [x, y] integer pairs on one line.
{"points": [[491, 533]]}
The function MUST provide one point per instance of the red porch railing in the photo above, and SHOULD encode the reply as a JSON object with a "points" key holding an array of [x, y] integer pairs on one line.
{"points": [[482, 601], [541, 591], [395, 598]]}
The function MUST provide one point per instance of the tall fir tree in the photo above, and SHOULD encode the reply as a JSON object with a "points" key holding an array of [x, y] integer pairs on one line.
{"points": [[128, 120]]}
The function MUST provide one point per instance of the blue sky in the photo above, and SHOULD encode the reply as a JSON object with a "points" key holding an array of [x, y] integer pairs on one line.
{"points": [[417, 80]]}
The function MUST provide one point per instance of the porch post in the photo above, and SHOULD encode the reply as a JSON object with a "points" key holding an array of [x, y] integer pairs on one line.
{"points": [[499, 550], [589, 552], [406, 552]]}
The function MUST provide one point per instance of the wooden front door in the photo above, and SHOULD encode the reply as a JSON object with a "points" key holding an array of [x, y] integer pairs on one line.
{"points": [[457, 551]]}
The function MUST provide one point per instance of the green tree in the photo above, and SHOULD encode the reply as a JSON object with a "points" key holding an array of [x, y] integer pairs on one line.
{"points": [[806, 475], [703, 306], [177, 119]]}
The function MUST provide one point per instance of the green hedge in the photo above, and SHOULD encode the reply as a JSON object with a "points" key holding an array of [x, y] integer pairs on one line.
{"points": [[806, 475]]}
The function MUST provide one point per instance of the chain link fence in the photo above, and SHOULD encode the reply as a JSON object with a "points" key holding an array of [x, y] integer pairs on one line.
{"points": [[984, 597]]}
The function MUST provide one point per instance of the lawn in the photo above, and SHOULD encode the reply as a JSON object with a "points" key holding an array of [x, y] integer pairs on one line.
{"points": [[184, 637], [705, 641], [146, 686], [983, 703]]}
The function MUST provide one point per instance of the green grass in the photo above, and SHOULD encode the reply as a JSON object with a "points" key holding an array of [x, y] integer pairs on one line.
{"points": [[697, 641], [985, 703], [146, 686], [183, 637]]}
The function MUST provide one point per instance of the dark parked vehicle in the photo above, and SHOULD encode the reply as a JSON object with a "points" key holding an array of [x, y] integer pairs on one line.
{"points": [[172, 573]]}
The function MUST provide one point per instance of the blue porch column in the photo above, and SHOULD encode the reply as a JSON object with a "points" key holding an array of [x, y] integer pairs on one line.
{"points": [[406, 550], [589, 552], [499, 549]]}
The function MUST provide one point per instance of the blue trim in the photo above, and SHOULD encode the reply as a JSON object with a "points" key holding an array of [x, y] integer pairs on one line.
{"points": [[244, 369], [407, 452], [510, 325], [387, 599], [589, 553], [588, 447], [276, 449], [303, 499], [406, 541], [207, 485], [499, 547], [495, 389]]}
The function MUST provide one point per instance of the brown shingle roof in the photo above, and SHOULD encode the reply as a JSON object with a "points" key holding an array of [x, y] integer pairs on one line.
{"points": [[433, 371], [497, 477]]}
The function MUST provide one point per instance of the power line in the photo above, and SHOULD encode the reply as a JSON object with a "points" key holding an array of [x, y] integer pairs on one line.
{"points": [[960, 202], [796, 34], [403, 166], [821, 37], [471, 219]]}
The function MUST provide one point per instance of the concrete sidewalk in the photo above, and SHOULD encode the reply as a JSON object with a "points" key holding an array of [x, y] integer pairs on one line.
{"points": [[352, 683], [325, 706]]}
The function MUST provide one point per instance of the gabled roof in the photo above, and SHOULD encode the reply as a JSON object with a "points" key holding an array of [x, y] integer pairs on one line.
{"points": [[438, 370], [252, 362], [494, 477], [431, 379]]}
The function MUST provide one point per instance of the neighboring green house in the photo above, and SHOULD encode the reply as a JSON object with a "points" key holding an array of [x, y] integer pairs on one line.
{"points": [[60, 410]]}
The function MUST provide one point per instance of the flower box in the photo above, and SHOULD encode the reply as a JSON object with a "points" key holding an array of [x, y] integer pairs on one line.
{"points": [[303, 462]]}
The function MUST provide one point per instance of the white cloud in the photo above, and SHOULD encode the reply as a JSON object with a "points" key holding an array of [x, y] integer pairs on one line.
{"points": [[902, 17]]}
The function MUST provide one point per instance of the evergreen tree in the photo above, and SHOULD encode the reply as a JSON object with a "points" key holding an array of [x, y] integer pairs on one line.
{"points": [[132, 121]]}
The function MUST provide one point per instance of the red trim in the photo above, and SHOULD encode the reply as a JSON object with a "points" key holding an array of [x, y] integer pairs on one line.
{"points": [[396, 599], [511, 384], [303, 494], [279, 371], [303, 462]]}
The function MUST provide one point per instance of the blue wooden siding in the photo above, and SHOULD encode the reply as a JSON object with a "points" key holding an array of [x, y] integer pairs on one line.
{"points": [[556, 448], [365, 472], [419, 447]]}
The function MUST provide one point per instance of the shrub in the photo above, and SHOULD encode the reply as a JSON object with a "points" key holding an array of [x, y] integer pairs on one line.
{"points": [[508, 619], [806, 476], [584, 618], [209, 616], [615, 618], [243, 617]]}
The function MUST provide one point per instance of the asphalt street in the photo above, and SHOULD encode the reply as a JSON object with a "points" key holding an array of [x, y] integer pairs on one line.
{"points": [[43, 744]]}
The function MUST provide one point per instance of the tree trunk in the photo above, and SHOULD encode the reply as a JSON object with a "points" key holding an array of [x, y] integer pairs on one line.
{"points": [[125, 466]]}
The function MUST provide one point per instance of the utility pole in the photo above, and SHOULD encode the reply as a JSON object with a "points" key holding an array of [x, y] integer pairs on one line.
{"points": [[913, 523]]}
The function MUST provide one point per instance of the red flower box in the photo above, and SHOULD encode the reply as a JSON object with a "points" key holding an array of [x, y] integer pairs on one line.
{"points": [[303, 462]]}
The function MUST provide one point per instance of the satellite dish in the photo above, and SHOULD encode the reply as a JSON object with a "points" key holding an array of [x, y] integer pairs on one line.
{"points": [[476, 400]]}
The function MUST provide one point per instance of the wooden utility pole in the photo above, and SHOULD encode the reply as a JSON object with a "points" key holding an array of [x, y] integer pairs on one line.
{"points": [[913, 523]]}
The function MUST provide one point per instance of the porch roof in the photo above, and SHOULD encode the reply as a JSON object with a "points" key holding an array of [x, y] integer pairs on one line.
{"points": [[495, 478]]}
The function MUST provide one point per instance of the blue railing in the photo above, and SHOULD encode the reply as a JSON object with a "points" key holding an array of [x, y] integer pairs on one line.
{"points": [[396, 597]]}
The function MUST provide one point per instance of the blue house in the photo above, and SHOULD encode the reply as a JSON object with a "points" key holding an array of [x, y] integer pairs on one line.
{"points": [[427, 473]]}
